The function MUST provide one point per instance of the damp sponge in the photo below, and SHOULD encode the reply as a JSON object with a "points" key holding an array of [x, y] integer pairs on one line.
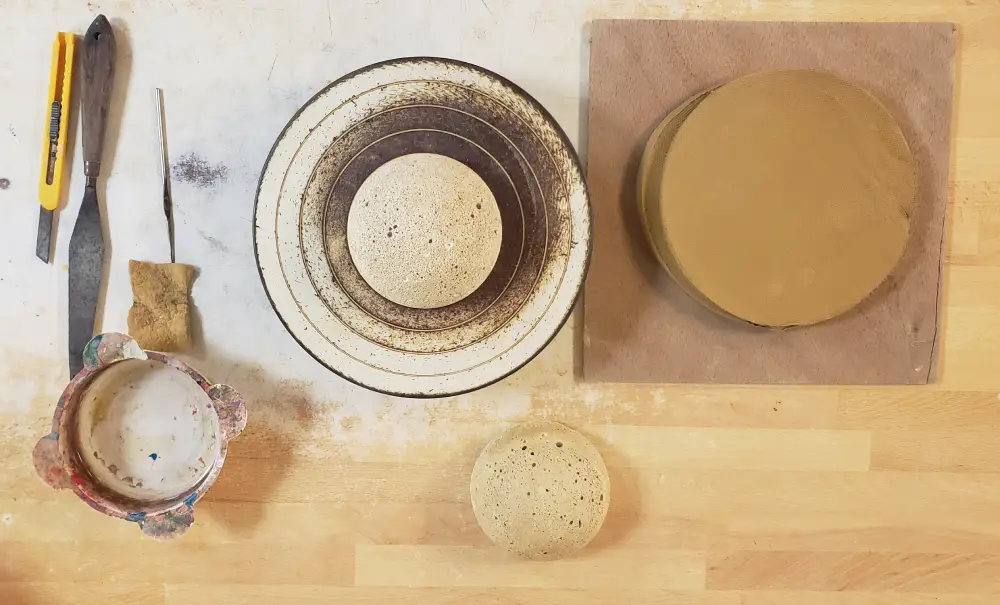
{"points": [[540, 490], [159, 319]]}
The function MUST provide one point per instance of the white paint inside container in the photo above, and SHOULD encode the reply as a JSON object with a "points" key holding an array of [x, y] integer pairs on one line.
{"points": [[147, 431]]}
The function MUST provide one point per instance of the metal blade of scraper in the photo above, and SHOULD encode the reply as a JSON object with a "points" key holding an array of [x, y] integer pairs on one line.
{"points": [[86, 263], [86, 246]]}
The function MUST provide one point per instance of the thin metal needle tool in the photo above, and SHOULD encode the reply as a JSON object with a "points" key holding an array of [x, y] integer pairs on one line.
{"points": [[168, 205]]}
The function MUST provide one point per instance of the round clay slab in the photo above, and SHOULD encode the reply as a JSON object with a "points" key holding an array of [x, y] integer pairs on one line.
{"points": [[786, 196], [648, 190], [424, 230], [540, 490]]}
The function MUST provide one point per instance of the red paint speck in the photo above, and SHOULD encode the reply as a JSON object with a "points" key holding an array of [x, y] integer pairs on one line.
{"points": [[193, 412]]}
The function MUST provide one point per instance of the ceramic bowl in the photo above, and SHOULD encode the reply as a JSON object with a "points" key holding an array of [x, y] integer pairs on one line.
{"points": [[139, 435], [422, 227]]}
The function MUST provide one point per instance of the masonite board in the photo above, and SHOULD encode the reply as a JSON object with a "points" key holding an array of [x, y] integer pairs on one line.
{"points": [[639, 325]]}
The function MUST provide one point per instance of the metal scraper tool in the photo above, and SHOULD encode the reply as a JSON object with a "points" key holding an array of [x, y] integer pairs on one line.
{"points": [[86, 246]]}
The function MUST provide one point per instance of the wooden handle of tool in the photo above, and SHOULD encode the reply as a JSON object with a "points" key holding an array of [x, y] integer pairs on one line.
{"points": [[98, 79]]}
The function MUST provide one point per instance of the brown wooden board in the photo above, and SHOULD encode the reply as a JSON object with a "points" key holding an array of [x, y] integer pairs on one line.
{"points": [[639, 325]]}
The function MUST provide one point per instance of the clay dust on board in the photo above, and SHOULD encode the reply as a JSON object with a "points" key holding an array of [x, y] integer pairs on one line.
{"points": [[363, 424]]}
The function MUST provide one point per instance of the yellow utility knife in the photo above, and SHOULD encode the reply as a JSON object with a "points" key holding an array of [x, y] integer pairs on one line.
{"points": [[50, 184]]}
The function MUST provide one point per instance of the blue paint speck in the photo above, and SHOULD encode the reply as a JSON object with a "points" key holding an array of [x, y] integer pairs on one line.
{"points": [[190, 499], [136, 516], [153, 456]]}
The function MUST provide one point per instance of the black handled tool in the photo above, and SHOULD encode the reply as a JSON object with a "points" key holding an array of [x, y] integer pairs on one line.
{"points": [[86, 246]]}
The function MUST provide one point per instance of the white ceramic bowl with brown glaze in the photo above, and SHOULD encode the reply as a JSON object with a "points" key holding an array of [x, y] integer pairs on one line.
{"points": [[422, 227]]}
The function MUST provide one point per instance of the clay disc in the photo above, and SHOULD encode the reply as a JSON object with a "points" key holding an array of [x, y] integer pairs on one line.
{"points": [[442, 222], [540, 490], [649, 194], [785, 197]]}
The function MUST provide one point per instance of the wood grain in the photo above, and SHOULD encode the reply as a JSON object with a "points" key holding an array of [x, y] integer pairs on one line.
{"points": [[720, 496]]}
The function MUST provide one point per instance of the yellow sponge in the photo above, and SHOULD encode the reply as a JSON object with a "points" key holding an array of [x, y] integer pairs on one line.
{"points": [[159, 319]]}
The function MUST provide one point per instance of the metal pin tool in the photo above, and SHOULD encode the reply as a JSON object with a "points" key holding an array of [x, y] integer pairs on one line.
{"points": [[168, 205]]}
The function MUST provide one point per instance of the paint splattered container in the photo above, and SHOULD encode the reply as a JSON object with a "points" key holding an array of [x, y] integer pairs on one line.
{"points": [[139, 435]]}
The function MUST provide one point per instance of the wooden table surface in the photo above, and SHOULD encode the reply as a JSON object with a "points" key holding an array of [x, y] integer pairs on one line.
{"points": [[720, 495]]}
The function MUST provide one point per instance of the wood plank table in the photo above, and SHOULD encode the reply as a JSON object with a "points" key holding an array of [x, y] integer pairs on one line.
{"points": [[721, 496]]}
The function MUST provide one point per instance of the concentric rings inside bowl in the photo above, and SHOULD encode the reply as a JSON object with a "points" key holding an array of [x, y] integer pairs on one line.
{"points": [[388, 111]]}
